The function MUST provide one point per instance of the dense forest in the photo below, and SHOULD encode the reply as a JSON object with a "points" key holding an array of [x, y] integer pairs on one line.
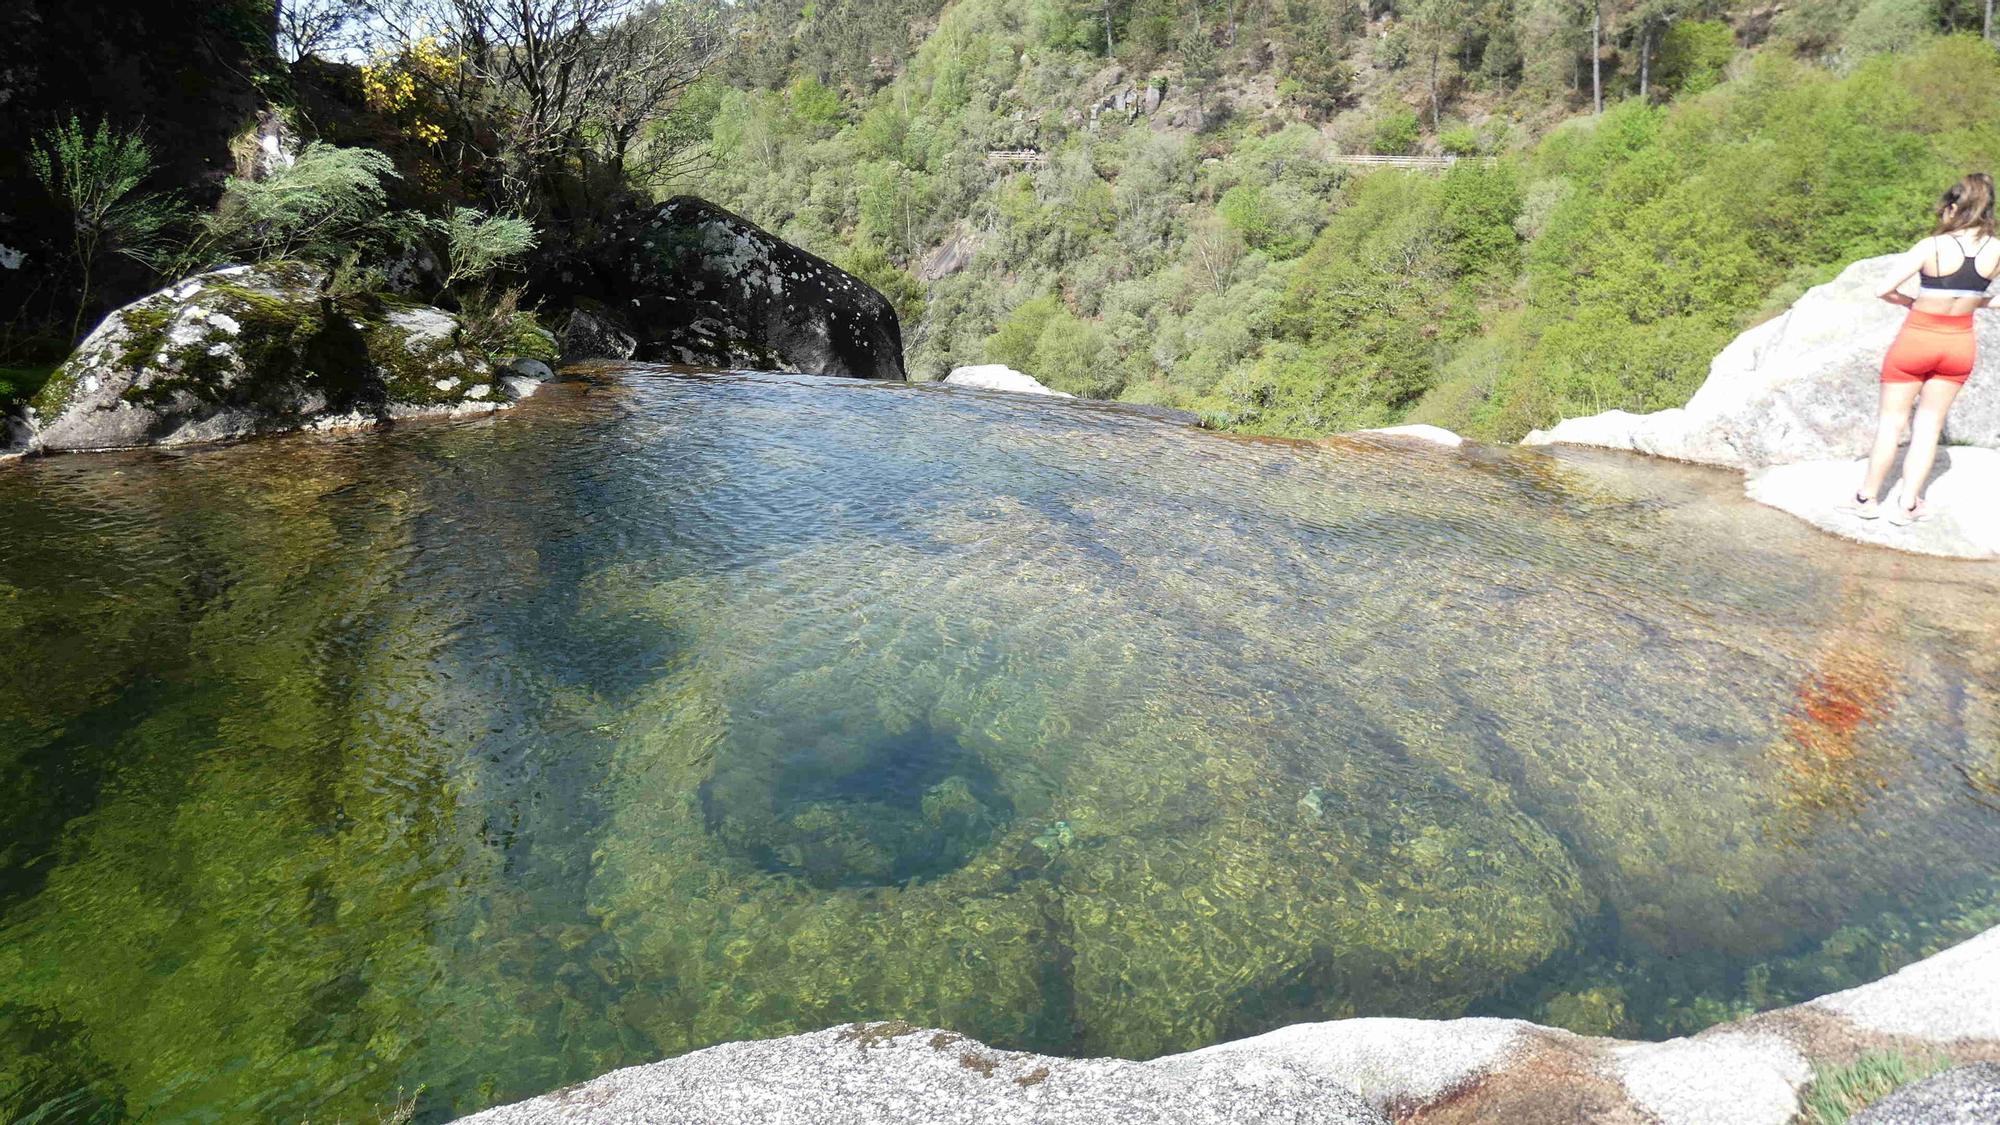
{"points": [[1640, 179]]}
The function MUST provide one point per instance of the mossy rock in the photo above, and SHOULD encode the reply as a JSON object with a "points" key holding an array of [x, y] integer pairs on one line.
{"points": [[263, 349]]}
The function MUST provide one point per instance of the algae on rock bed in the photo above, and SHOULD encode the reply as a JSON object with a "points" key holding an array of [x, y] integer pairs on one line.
{"points": [[1187, 889], [493, 757]]}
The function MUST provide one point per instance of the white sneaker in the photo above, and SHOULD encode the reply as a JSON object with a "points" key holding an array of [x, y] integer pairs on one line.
{"points": [[1865, 507]]}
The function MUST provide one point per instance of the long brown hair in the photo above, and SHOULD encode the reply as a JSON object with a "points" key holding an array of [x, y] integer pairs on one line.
{"points": [[1967, 205]]}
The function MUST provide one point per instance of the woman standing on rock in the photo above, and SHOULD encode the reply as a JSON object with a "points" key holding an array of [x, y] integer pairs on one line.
{"points": [[1932, 356]]}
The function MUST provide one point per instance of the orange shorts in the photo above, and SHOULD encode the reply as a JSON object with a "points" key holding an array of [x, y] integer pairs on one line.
{"points": [[1931, 346]]}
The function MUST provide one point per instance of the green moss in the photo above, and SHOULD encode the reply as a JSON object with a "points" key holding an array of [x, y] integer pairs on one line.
{"points": [[411, 365], [272, 348], [146, 328], [532, 340]]}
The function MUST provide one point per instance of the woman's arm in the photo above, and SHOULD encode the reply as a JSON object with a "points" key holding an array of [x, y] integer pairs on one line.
{"points": [[1907, 264]]}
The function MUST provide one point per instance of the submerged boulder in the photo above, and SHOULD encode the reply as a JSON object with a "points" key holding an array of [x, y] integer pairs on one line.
{"points": [[260, 349], [698, 285], [1799, 387]]}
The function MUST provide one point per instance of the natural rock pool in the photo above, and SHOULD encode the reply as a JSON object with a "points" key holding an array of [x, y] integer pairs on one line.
{"points": [[664, 710]]}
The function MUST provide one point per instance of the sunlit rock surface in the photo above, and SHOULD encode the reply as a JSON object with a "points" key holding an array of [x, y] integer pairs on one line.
{"points": [[1801, 386], [870, 1074], [1964, 520], [1362, 1070], [999, 377], [257, 349]]}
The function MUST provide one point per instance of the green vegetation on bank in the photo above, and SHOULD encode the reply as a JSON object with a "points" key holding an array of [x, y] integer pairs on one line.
{"points": [[1210, 254], [19, 384], [1838, 1093]]}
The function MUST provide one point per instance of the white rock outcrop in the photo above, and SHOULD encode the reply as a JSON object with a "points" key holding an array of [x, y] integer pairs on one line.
{"points": [[1798, 387], [1964, 521], [999, 377]]}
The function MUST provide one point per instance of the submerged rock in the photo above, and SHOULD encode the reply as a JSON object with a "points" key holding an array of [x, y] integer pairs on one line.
{"points": [[1000, 377], [1436, 435], [699, 285], [1799, 387], [259, 349]]}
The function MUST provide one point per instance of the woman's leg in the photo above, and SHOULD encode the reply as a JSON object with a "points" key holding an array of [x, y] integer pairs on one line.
{"points": [[1932, 407], [1897, 398]]}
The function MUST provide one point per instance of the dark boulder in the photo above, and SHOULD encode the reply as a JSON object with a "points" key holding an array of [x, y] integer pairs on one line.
{"points": [[698, 285]]}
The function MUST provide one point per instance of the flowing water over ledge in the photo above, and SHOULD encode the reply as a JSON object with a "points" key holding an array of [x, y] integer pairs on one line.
{"points": [[488, 756]]}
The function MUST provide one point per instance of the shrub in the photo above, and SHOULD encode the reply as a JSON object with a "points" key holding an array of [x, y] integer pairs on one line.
{"points": [[476, 243], [1693, 54], [329, 205], [94, 177], [1396, 132], [1459, 140], [1889, 26], [1072, 355]]}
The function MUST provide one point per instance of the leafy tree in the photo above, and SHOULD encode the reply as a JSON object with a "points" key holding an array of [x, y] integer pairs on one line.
{"points": [[1693, 54]]}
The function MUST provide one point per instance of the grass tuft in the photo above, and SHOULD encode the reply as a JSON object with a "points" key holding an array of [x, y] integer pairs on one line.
{"points": [[1839, 1092]]}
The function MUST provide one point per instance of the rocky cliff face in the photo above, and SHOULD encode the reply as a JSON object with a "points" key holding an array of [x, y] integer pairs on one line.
{"points": [[250, 350], [692, 283]]}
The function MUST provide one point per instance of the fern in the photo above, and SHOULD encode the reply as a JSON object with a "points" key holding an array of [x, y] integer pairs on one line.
{"points": [[331, 204], [478, 243]]}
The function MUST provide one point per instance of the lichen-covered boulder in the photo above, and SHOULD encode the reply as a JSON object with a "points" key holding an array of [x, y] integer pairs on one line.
{"points": [[699, 285], [1798, 387], [260, 349]]}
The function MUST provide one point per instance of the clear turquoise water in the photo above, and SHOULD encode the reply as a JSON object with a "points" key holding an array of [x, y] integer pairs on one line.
{"points": [[483, 757]]}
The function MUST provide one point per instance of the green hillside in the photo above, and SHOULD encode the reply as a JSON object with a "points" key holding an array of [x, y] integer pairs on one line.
{"points": [[1187, 233]]}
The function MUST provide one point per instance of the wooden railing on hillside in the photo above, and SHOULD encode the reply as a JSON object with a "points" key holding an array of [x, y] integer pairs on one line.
{"points": [[1406, 161], [1035, 159]]}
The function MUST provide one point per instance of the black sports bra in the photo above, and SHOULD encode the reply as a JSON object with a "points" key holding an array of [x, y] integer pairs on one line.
{"points": [[1966, 279]]}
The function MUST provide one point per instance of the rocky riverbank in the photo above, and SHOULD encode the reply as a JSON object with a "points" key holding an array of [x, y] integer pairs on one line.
{"points": [[1752, 1071], [1791, 403], [264, 349]]}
